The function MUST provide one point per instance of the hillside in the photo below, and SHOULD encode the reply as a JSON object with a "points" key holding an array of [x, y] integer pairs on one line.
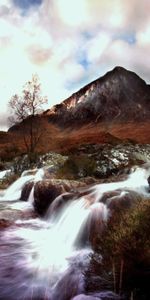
{"points": [[118, 96], [113, 108]]}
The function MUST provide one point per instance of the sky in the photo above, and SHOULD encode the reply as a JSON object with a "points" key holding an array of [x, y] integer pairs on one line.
{"points": [[69, 43]]}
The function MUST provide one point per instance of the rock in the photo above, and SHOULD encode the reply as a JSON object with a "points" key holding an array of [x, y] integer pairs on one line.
{"points": [[148, 179], [26, 191], [59, 203], [102, 161], [123, 201], [46, 191], [9, 215], [5, 223]]}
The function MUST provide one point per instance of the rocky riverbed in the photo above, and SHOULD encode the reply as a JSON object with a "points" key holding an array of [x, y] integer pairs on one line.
{"points": [[78, 225]]}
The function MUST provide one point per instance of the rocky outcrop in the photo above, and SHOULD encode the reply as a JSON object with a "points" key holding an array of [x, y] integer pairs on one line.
{"points": [[119, 96], [118, 201], [103, 161]]}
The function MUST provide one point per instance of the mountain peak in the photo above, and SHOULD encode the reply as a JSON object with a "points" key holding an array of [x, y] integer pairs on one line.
{"points": [[120, 95], [117, 103], [120, 69]]}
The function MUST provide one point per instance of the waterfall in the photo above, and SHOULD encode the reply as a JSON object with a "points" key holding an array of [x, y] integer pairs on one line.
{"points": [[31, 196], [14, 191], [136, 181], [4, 173], [37, 177], [46, 257]]}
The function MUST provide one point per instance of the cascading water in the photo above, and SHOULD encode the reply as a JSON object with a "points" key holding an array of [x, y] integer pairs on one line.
{"points": [[37, 177], [41, 259], [4, 173], [14, 191]]}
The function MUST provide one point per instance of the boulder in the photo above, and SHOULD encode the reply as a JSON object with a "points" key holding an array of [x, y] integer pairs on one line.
{"points": [[5, 223], [59, 203], [26, 191], [8, 216], [46, 191], [123, 201]]}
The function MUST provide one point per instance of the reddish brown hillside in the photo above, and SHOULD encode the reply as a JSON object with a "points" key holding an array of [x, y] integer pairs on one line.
{"points": [[112, 108]]}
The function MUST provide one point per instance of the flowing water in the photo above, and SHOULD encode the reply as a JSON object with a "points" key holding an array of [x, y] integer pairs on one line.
{"points": [[4, 173], [42, 258]]}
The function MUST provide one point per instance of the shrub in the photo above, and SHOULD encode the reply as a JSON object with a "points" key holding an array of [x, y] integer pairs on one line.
{"points": [[125, 248], [77, 167]]}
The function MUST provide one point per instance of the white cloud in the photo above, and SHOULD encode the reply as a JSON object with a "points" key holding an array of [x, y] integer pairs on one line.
{"points": [[96, 46], [72, 13], [66, 42]]}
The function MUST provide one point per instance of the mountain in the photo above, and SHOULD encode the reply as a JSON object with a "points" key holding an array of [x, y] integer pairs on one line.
{"points": [[119, 96], [112, 108]]}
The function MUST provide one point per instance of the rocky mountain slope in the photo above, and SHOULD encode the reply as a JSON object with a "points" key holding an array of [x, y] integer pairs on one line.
{"points": [[111, 109], [118, 96]]}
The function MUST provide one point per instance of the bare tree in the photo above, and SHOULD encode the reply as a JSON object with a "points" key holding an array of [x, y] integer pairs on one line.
{"points": [[25, 109]]}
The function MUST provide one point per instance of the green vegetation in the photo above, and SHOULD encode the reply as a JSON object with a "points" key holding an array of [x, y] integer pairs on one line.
{"points": [[125, 248], [76, 167]]}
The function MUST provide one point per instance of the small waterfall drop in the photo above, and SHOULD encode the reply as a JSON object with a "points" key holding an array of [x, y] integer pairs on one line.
{"points": [[136, 181], [37, 177], [4, 173], [14, 191]]}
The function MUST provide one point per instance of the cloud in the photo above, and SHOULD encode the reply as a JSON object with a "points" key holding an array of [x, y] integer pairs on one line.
{"points": [[38, 55], [69, 43], [3, 121]]}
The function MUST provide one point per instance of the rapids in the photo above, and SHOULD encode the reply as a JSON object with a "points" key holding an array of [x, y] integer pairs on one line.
{"points": [[43, 258]]}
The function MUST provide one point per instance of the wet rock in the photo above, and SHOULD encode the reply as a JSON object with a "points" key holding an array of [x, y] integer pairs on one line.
{"points": [[94, 225], [123, 201], [26, 191], [47, 190], [10, 216], [59, 203], [5, 223], [108, 196], [148, 179]]}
